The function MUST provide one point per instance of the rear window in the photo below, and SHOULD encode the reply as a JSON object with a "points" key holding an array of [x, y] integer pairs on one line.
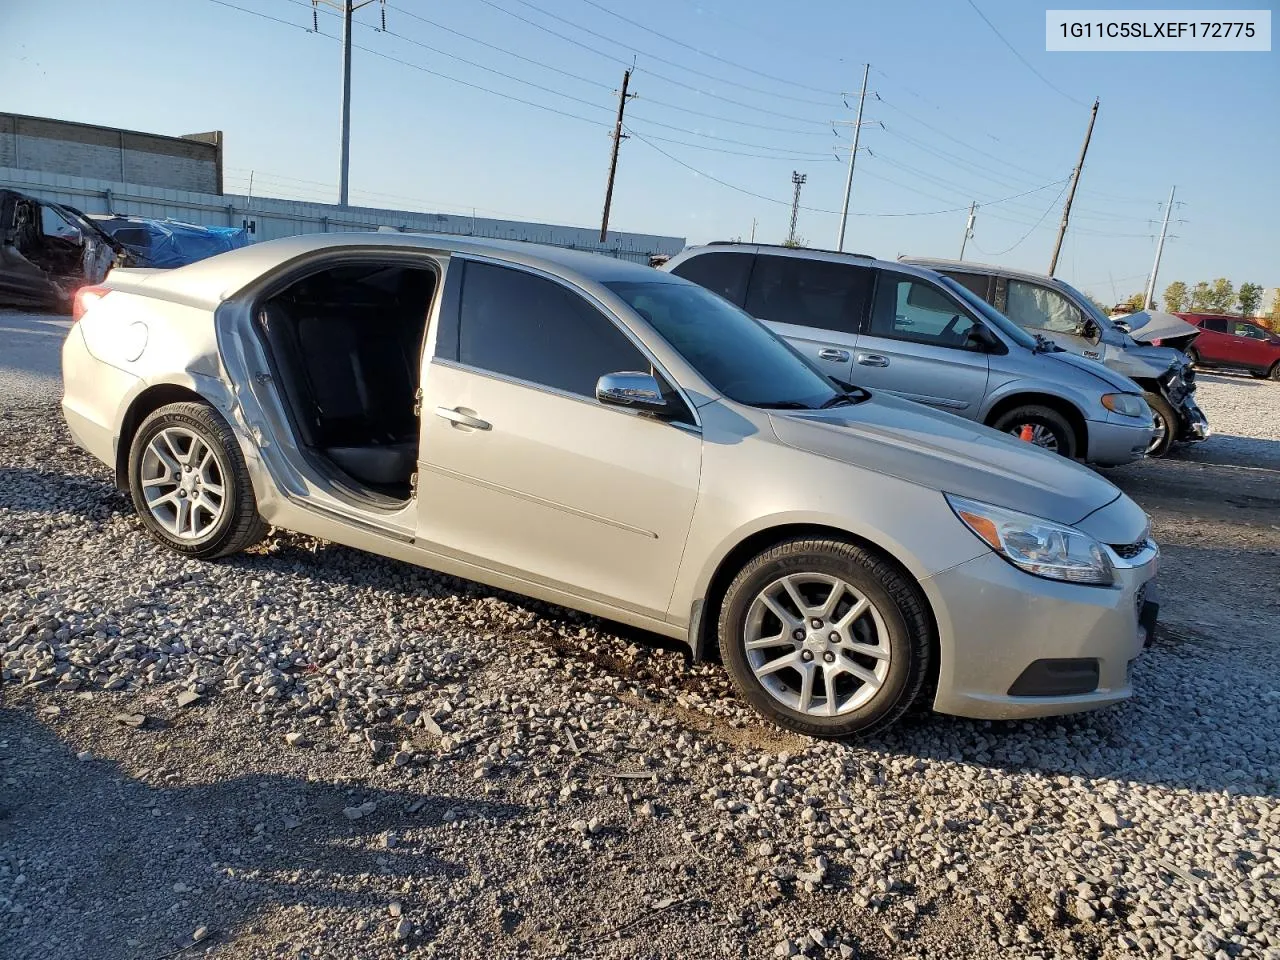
{"points": [[1216, 324], [722, 273], [979, 284]]}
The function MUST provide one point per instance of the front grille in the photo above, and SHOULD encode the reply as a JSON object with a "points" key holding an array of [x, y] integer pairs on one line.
{"points": [[1128, 551]]}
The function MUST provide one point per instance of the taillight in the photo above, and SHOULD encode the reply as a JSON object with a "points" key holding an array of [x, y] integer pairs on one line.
{"points": [[1156, 342], [85, 298]]}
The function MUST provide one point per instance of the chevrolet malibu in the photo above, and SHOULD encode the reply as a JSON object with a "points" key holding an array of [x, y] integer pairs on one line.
{"points": [[611, 438]]}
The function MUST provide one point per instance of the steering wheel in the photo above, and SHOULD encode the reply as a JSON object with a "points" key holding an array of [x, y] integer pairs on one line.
{"points": [[949, 331]]}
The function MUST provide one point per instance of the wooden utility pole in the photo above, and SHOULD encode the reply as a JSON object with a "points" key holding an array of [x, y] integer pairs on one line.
{"points": [[1071, 194], [618, 137], [1149, 296], [968, 227], [853, 157]]}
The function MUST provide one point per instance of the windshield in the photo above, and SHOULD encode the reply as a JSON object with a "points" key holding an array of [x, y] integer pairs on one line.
{"points": [[991, 314], [732, 350]]}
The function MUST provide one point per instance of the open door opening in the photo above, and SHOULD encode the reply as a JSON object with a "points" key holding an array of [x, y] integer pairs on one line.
{"points": [[346, 344]]}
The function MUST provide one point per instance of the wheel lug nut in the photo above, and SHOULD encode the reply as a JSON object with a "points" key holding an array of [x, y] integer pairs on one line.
{"points": [[799, 635], [817, 624], [834, 637], [806, 656], [829, 657]]}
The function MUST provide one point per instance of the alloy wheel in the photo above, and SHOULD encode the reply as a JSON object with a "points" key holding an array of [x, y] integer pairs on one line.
{"points": [[183, 483], [816, 645], [1161, 431], [1041, 435]]}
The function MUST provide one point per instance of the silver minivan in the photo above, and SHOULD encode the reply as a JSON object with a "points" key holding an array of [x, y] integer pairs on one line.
{"points": [[1048, 307], [909, 331]]}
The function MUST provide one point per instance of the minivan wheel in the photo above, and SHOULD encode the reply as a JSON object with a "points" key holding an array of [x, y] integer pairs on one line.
{"points": [[190, 485], [1045, 426], [825, 638], [1166, 425]]}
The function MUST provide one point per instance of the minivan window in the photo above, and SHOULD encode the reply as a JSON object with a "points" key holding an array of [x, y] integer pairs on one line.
{"points": [[722, 273], [991, 315], [735, 353], [809, 293], [908, 308], [977, 283], [534, 329], [1040, 308]]}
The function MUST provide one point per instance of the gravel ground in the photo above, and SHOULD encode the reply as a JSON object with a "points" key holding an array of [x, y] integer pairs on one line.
{"points": [[311, 752]]}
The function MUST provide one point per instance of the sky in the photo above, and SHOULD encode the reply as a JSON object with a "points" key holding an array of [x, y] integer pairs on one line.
{"points": [[507, 107]]}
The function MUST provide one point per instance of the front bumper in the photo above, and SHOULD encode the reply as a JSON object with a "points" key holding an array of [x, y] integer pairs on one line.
{"points": [[1194, 425], [996, 624], [1113, 444]]}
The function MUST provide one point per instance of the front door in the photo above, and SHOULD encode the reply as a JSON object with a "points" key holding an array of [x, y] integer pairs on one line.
{"points": [[522, 470], [817, 305], [917, 345]]}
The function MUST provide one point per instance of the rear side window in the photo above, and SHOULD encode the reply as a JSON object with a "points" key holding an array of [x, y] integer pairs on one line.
{"points": [[911, 309], [809, 293], [1216, 325], [722, 273], [978, 284], [527, 327]]}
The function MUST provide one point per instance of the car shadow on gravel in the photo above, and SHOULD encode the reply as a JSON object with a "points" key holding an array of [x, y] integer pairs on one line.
{"points": [[179, 856], [36, 491]]}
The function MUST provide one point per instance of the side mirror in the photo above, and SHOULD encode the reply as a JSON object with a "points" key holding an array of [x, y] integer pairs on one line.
{"points": [[981, 338], [640, 391], [1122, 326]]}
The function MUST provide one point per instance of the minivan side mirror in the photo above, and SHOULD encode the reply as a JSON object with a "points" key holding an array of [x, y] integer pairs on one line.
{"points": [[1122, 326], [981, 337], [639, 391]]}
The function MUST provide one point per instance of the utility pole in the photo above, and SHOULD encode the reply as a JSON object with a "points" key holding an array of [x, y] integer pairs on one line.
{"points": [[1155, 267], [347, 8], [1071, 194], [853, 158], [618, 137], [798, 179], [968, 228], [753, 229]]}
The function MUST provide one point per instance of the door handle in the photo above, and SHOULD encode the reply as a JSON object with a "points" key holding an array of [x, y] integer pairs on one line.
{"points": [[456, 416], [873, 360], [830, 353]]}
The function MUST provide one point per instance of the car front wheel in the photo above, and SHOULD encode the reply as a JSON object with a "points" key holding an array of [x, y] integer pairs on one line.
{"points": [[1043, 426], [1166, 425], [825, 638], [190, 485]]}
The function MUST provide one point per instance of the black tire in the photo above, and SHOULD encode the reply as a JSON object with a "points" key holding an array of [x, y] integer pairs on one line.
{"points": [[1163, 412], [239, 526], [1274, 373], [1035, 415], [908, 633]]}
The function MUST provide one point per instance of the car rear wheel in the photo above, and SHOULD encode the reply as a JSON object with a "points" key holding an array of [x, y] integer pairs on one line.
{"points": [[1166, 425], [1043, 426], [825, 638], [1275, 371], [190, 485]]}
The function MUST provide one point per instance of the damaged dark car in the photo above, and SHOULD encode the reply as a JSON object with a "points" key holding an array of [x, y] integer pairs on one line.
{"points": [[48, 251]]}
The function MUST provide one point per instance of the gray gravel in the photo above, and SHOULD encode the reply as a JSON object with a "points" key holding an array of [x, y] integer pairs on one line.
{"points": [[312, 752]]}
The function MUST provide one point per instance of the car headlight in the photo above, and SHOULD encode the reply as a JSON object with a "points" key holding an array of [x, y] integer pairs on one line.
{"points": [[1040, 547], [1126, 404]]}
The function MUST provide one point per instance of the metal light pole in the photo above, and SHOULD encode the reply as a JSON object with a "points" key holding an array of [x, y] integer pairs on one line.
{"points": [[1155, 267], [798, 179], [347, 8], [853, 157]]}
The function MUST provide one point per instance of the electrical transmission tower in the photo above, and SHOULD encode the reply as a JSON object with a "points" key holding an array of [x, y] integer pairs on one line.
{"points": [[798, 179]]}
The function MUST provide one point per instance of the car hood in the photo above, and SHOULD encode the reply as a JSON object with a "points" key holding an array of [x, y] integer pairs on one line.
{"points": [[1148, 325], [903, 439], [1100, 370]]}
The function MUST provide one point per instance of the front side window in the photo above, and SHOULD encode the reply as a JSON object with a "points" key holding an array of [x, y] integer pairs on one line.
{"points": [[54, 224], [739, 356], [534, 329], [1039, 308], [907, 308], [822, 294], [1252, 331], [722, 273]]}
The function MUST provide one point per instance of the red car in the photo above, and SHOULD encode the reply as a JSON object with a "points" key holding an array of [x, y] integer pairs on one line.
{"points": [[1232, 342]]}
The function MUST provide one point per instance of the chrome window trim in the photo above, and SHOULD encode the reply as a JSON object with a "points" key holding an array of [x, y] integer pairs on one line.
{"points": [[603, 309]]}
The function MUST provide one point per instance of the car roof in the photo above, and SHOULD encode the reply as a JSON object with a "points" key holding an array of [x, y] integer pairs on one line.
{"points": [[969, 266], [800, 253], [209, 282]]}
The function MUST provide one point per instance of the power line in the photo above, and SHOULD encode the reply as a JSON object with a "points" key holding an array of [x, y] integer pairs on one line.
{"points": [[1025, 62], [704, 53], [1047, 210]]}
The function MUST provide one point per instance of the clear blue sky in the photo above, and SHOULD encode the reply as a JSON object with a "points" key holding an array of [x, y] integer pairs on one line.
{"points": [[963, 119]]}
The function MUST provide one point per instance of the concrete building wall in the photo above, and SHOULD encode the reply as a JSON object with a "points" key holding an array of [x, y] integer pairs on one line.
{"points": [[107, 153], [270, 218]]}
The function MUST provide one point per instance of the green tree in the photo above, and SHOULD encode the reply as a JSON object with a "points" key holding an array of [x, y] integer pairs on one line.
{"points": [[1250, 297], [1201, 297], [1102, 308], [1222, 296], [1136, 302], [1175, 297]]}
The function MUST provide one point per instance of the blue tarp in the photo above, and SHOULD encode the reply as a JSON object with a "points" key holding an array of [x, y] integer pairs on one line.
{"points": [[170, 243]]}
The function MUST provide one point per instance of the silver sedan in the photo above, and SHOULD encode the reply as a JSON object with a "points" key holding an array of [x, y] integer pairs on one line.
{"points": [[615, 439]]}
